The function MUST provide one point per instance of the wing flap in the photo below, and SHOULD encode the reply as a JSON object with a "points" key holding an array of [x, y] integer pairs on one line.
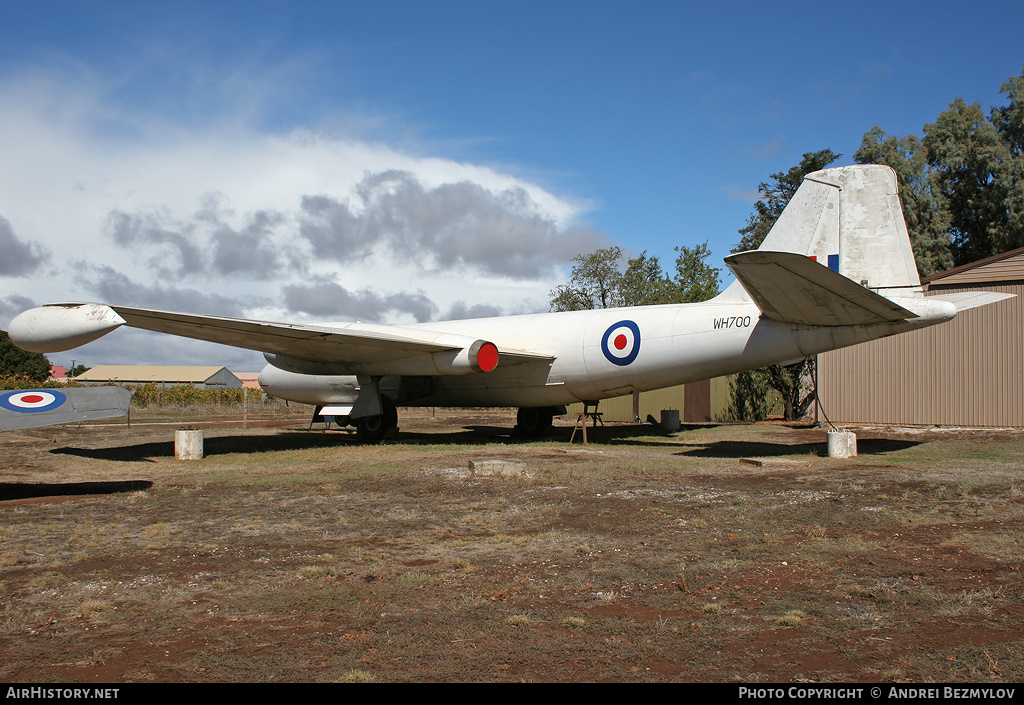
{"points": [[793, 288], [508, 356]]}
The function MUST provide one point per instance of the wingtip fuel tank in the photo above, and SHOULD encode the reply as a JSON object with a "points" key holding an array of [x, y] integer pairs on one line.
{"points": [[57, 327]]}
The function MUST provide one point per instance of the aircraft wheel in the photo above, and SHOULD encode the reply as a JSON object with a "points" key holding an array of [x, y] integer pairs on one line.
{"points": [[373, 429], [533, 421]]}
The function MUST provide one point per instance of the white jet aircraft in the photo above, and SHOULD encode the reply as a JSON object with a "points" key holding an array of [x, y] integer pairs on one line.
{"points": [[836, 269]]}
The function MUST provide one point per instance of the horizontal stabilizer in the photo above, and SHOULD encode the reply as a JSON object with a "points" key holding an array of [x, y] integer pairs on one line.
{"points": [[964, 300], [793, 288], [29, 408]]}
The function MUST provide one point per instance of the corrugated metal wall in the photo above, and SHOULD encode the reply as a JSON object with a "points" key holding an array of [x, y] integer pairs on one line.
{"points": [[968, 372], [621, 408], [652, 403]]}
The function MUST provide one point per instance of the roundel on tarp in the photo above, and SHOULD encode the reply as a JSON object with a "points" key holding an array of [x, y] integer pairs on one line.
{"points": [[33, 400], [621, 342]]}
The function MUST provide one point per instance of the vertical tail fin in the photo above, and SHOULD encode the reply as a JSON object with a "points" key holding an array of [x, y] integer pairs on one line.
{"points": [[850, 219]]}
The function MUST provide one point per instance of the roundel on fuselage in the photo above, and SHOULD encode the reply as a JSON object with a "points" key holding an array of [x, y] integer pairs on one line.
{"points": [[621, 342]]}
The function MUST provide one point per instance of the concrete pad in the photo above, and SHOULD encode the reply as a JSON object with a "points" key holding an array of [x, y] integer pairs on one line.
{"points": [[776, 462], [499, 468]]}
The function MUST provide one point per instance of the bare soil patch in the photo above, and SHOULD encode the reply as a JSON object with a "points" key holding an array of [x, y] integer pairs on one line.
{"points": [[719, 553]]}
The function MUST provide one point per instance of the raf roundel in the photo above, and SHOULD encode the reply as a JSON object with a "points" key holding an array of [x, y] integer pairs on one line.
{"points": [[32, 401], [621, 343]]}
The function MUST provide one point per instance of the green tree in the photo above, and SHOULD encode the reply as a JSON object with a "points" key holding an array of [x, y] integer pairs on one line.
{"points": [[961, 184], [594, 282], [695, 279], [775, 194], [750, 391], [15, 362], [975, 176], [1009, 122], [644, 283], [925, 209], [604, 279]]}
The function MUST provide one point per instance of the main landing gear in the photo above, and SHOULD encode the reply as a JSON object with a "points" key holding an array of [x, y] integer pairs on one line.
{"points": [[372, 429], [369, 429], [531, 421], [535, 421]]}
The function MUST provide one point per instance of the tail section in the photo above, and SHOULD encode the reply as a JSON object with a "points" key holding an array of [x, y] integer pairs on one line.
{"points": [[847, 220], [790, 288], [850, 220]]}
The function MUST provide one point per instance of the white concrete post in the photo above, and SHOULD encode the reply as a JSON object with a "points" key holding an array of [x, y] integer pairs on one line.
{"points": [[842, 444], [188, 444]]}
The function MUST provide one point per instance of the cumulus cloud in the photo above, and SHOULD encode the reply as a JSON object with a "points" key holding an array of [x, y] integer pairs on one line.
{"points": [[204, 244], [461, 310], [250, 251], [11, 306], [451, 226], [19, 258], [175, 252], [231, 219], [111, 286], [333, 301]]}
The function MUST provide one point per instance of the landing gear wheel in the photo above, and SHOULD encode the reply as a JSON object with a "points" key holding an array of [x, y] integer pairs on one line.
{"points": [[373, 429], [534, 421]]}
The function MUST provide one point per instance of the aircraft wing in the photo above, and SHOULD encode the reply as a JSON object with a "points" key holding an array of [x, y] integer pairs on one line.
{"points": [[344, 348], [793, 288], [28, 408]]}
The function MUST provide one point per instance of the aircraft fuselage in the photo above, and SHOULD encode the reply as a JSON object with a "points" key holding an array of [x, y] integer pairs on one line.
{"points": [[602, 354]]}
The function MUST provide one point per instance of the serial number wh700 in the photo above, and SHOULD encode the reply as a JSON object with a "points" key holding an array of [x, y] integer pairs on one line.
{"points": [[732, 322]]}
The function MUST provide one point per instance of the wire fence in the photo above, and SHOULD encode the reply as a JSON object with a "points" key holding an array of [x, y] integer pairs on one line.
{"points": [[154, 396]]}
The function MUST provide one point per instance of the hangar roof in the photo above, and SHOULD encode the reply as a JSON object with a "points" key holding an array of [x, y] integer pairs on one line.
{"points": [[1006, 267], [180, 374]]}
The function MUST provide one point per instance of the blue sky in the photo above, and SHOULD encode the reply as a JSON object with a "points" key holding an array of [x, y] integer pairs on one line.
{"points": [[399, 161]]}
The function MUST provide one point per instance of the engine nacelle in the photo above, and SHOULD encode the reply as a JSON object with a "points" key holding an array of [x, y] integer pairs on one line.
{"points": [[305, 367], [320, 390], [465, 356], [478, 356]]}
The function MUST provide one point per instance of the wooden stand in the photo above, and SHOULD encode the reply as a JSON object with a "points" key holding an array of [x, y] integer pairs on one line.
{"points": [[581, 420]]}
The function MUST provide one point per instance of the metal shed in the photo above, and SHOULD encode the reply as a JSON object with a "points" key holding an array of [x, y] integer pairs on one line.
{"points": [[203, 377], [697, 401], [967, 372]]}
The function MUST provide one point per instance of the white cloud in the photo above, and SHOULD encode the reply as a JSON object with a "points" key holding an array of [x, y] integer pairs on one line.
{"points": [[227, 218], [19, 258]]}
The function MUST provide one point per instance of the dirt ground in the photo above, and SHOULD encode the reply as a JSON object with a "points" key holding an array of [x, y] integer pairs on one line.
{"points": [[457, 552]]}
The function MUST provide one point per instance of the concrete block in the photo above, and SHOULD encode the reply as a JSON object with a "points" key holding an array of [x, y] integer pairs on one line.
{"points": [[842, 444], [188, 444], [500, 468]]}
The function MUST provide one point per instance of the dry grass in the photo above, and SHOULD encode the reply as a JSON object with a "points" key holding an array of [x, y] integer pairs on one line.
{"points": [[300, 557]]}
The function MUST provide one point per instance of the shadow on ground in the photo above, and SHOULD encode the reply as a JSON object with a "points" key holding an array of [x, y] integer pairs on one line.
{"points": [[10, 491], [760, 449], [638, 435], [217, 445]]}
